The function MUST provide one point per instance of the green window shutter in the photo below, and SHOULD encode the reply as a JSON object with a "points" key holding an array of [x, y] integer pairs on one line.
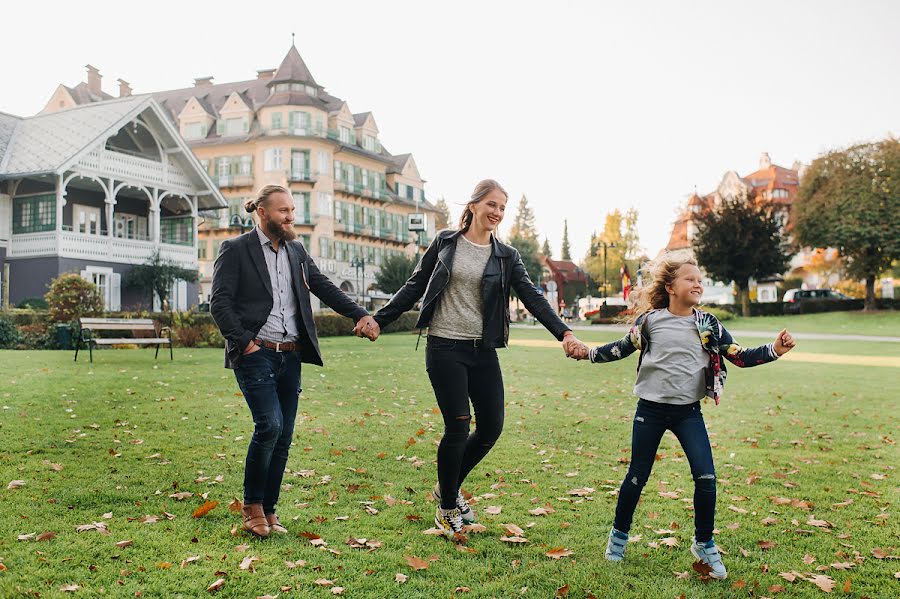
{"points": [[246, 125], [276, 120], [220, 127]]}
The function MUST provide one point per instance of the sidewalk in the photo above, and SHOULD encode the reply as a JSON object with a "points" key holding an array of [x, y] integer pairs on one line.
{"points": [[738, 333]]}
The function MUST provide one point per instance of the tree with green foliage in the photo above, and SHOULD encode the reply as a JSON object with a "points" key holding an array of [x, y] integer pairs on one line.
{"points": [[546, 251], [850, 200], [157, 276], [566, 248], [70, 297], [442, 218], [739, 240], [394, 272], [529, 251]]}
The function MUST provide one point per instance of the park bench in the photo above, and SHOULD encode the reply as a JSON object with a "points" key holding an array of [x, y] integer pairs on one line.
{"points": [[89, 325]]}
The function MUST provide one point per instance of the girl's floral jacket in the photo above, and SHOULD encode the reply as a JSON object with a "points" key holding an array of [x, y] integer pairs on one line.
{"points": [[714, 338]]}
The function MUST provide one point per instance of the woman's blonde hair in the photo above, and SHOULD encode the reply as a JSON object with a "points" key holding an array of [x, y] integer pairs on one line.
{"points": [[652, 295], [482, 189], [262, 195]]}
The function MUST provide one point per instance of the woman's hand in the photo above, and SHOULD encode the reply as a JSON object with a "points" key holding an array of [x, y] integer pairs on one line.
{"points": [[784, 343], [574, 348]]}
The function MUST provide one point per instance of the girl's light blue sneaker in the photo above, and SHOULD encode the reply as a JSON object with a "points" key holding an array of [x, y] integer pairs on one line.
{"points": [[615, 545], [708, 553]]}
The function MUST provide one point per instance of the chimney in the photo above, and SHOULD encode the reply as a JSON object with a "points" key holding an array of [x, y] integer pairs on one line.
{"points": [[93, 80], [203, 81], [764, 161], [265, 73], [124, 88]]}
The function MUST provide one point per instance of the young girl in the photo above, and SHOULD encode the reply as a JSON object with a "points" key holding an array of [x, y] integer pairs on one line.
{"points": [[680, 348]]}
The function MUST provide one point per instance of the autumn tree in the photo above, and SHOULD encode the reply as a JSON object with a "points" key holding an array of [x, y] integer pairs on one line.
{"points": [[566, 248], [850, 200], [739, 240], [442, 218], [523, 226], [622, 248]]}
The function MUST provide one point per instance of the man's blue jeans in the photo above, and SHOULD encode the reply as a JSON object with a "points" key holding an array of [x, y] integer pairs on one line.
{"points": [[270, 382], [651, 420]]}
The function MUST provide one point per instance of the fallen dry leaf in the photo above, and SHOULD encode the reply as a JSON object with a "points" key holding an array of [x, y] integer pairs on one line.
{"points": [[513, 539], [69, 588], [398, 577], [826, 583], [189, 560], [235, 506], [582, 492], [181, 495], [124, 544], [337, 590], [416, 563], [26, 536], [493, 510], [323, 582], [204, 509], [247, 563], [215, 586], [766, 544], [562, 591], [701, 568], [559, 552], [513, 529], [790, 576], [15, 484], [682, 575], [808, 559]]}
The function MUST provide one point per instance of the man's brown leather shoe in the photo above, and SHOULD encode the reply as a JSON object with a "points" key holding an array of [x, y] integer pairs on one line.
{"points": [[275, 525], [255, 520]]}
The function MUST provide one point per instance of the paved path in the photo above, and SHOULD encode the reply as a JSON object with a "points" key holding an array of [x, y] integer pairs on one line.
{"points": [[737, 333]]}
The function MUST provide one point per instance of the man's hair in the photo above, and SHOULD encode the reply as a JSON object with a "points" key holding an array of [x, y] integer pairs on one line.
{"points": [[262, 196]]}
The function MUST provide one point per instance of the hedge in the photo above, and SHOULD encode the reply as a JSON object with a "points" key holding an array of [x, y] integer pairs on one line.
{"points": [[31, 329]]}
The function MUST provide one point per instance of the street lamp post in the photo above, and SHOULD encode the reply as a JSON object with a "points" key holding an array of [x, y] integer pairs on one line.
{"points": [[359, 263], [243, 223], [605, 246]]}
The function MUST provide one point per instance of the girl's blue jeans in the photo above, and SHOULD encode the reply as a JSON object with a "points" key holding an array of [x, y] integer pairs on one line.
{"points": [[651, 421]]}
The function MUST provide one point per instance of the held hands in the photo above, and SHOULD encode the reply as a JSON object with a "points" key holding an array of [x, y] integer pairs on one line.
{"points": [[784, 343], [368, 328], [574, 348]]}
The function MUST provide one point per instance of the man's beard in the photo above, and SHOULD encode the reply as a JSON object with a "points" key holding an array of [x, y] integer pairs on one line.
{"points": [[276, 230]]}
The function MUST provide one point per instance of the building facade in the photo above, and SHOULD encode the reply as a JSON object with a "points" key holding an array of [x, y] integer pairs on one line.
{"points": [[96, 189], [770, 184], [353, 198]]}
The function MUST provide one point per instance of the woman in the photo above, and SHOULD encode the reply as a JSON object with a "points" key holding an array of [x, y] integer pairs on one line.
{"points": [[465, 277]]}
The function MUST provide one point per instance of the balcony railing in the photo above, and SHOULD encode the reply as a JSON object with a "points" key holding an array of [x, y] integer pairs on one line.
{"points": [[245, 180], [309, 131], [127, 166], [306, 219], [67, 244], [299, 175]]}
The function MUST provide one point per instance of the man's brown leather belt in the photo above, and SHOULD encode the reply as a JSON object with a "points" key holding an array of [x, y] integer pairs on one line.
{"points": [[279, 347]]}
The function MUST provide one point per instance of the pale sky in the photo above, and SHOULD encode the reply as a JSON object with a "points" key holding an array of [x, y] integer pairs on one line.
{"points": [[583, 106]]}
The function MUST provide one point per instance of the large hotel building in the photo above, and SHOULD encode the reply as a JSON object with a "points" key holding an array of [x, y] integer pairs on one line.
{"points": [[353, 197]]}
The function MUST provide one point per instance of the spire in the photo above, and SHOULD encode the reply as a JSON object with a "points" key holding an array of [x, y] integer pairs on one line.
{"points": [[293, 69]]}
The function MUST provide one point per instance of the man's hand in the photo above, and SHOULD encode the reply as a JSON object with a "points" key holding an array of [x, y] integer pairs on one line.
{"points": [[574, 348], [251, 348], [784, 343], [367, 327]]}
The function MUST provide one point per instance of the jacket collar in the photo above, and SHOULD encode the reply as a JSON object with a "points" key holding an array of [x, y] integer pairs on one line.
{"points": [[499, 249]]}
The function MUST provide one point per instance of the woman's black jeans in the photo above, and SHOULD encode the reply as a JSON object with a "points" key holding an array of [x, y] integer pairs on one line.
{"points": [[460, 371], [270, 382], [651, 420]]}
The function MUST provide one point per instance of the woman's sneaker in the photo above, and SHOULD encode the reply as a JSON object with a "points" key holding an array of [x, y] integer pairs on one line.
{"points": [[708, 553], [615, 545], [468, 515], [449, 522]]}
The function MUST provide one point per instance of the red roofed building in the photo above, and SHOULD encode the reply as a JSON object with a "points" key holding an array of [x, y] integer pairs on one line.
{"points": [[571, 280]]}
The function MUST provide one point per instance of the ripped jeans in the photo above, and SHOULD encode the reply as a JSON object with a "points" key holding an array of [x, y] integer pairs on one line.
{"points": [[459, 372], [651, 420]]}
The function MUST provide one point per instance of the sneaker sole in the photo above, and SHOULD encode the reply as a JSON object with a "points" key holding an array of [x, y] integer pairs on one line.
{"points": [[712, 574]]}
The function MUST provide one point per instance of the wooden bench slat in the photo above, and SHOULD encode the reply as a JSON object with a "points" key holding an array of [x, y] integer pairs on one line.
{"points": [[86, 320], [135, 341], [120, 327]]}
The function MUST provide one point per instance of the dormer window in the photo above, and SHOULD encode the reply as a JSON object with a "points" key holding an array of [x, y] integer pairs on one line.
{"points": [[194, 130], [370, 143]]}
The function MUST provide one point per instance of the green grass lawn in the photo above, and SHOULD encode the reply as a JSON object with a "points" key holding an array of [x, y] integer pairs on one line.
{"points": [[123, 435], [881, 323]]}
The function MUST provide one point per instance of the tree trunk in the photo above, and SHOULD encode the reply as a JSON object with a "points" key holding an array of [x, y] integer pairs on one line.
{"points": [[870, 293], [744, 290]]}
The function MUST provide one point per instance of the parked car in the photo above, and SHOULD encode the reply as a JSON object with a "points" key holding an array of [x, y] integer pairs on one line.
{"points": [[793, 297]]}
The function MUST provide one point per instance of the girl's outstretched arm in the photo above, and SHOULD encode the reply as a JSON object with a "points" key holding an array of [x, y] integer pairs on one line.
{"points": [[754, 356], [617, 350]]}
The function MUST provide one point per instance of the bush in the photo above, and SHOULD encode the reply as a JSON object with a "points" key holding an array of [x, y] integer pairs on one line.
{"points": [[33, 303], [719, 313], [71, 297], [854, 289], [9, 334], [37, 336]]}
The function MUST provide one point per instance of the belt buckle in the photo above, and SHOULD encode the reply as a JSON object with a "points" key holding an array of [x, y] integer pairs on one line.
{"points": [[477, 343], [277, 347]]}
